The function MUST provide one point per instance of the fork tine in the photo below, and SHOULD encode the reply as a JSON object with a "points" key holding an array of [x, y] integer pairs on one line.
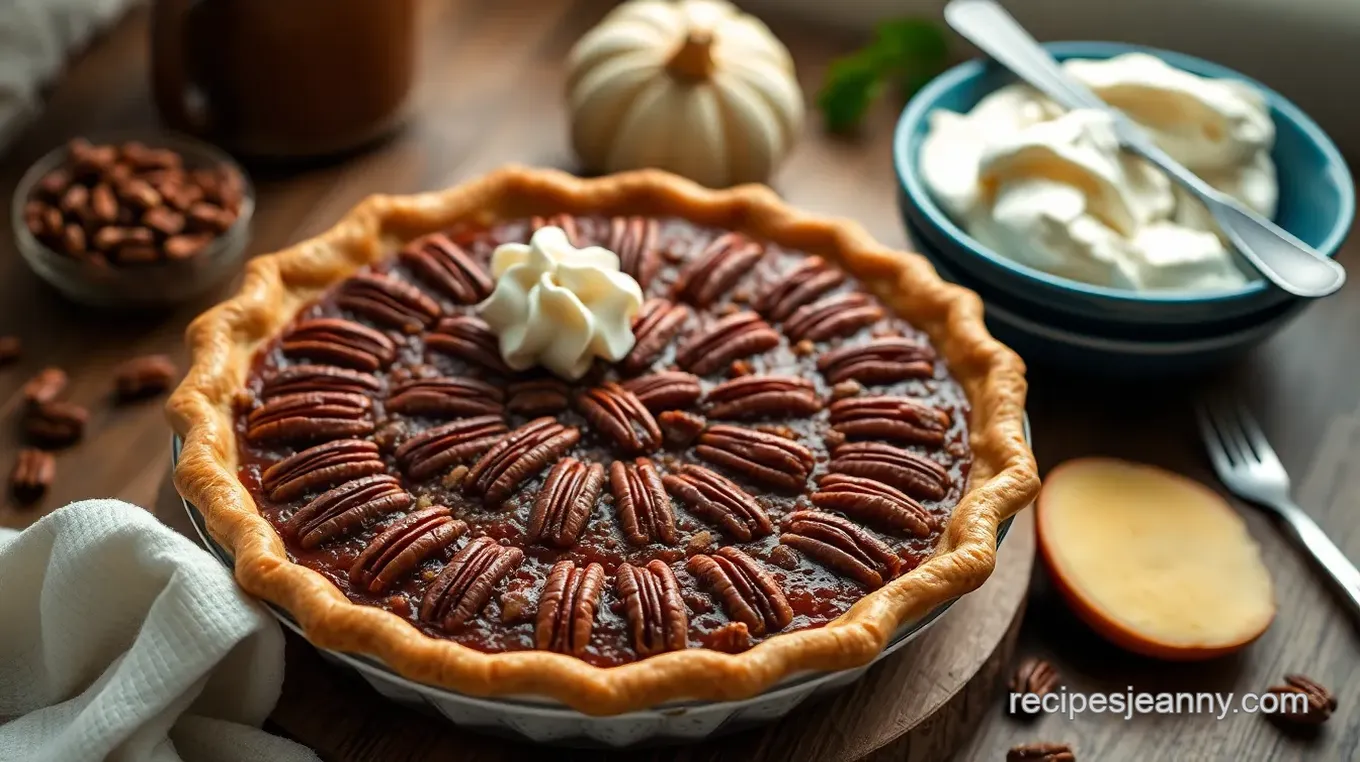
{"points": [[1255, 437], [1218, 455], [1231, 431]]}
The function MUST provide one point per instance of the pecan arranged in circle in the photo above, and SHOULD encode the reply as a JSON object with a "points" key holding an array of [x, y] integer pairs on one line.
{"points": [[900, 419], [736, 336], [1320, 701], [713, 497], [642, 503], [518, 456], [1041, 752], [811, 278], [680, 427], [310, 416], [144, 377], [827, 318], [461, 591], [343, 510], [340, 342], [564, 504], [656, 614], [388, 301], [435, 449], [447, 397], [561, 220], [878, 361], [914, 474], [748, 593], [407, 543], [619, 415], [666, 390], [540, 396], [873, 502], [633, 239], [567, 606], [757, 455], [655, 325], [297, 379], [468, 338], [760, 396], [842, 546], [716, 269], [322, 466], [444, 264]]}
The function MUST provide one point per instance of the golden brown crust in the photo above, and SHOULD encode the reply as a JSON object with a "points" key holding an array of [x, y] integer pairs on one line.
{"points": [[223, 340]]}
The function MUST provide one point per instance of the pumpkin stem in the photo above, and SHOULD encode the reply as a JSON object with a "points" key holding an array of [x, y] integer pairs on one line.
{"points": [[694, 58]]}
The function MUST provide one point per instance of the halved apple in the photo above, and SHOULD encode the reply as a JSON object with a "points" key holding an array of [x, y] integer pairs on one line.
{"points": [[1155, 562]]}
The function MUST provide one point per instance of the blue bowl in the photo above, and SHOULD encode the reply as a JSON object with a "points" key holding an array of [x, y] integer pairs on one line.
{"points": [[1317, 203]]}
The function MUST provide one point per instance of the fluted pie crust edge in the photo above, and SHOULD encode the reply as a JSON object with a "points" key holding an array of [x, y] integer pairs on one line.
{"points": [[1003, 477]]}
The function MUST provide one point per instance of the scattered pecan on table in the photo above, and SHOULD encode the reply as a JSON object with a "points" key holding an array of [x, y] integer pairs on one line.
{"points": [[143, 377], [131, 204], [33, 473], [1320, 701], [1041, 752], [1033, 676], [10, 347]]}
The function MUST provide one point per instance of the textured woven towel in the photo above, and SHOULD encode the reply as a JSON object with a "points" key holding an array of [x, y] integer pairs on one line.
{"points": [[122, 640]]}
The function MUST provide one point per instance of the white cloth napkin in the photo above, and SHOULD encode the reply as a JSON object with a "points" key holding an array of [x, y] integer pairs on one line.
{"points": [[122, 640]]}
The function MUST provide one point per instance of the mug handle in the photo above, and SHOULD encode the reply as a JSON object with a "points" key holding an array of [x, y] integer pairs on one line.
{"points": [[171, 81]]}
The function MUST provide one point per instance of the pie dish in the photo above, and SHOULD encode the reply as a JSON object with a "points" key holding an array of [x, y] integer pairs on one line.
{"points": [[812, 440]]}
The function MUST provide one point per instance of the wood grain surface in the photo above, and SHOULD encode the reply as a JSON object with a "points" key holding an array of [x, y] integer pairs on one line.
{"points": [[490, 93]]}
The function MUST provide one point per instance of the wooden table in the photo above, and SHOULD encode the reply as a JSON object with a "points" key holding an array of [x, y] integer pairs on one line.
{"points": [[490, 94]]}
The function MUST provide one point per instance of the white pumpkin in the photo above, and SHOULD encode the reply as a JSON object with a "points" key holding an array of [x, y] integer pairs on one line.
{"points": [[694, 86]]}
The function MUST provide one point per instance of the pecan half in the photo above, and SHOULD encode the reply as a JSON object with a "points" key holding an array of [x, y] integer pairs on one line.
{"points": [[808, 280], [873, 502], [832, 316], [567, 606], [711, 496], [640, 498], [447, 397], [762, 457], [736, 336], [461, 591], [842, 546], [388, 301], [56, 424], [340, 342], [443, 264], [878, 361], [297, 379], [620, 415], [1320, 701], [44, 387], [915, 475], [540, 396], [310, 416], [144, 377], [10, 348], [633, 239], [435, 449], [748, 593], [679, 427], [518, 456], [760, 396], [656, 324], [343, 510], [407, 543], [34, 472], [900, 419], [470, 339], [1041, 752], [322, 466], [561, 220], [564, 504], [716, 269], [667, 390], [1034, 676], [656, 614]]}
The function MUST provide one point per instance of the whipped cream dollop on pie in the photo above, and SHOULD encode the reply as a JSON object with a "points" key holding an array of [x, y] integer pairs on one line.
{"points": [[558, 306]]}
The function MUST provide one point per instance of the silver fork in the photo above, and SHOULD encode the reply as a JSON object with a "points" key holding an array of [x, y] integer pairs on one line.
{"points": [[1246, 463]]}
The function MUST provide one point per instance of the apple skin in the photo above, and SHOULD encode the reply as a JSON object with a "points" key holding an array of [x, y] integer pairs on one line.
{"points": [[1090, 612]]}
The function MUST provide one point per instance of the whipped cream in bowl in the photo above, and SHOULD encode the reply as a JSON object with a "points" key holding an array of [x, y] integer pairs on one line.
{"points": [[1051, 189]]}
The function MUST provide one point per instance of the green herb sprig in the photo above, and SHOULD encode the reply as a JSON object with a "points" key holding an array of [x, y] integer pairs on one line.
{"points": [[907, 52]]}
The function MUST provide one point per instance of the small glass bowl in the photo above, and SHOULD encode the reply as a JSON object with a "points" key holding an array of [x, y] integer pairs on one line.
{"points": [[159, 284]]}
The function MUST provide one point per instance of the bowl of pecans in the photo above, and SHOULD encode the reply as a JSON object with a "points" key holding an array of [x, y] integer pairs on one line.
{"points": [[133, 224]]}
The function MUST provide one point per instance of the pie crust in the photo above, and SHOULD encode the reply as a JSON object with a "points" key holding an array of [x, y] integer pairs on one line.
{"points": [[1003, 478]]}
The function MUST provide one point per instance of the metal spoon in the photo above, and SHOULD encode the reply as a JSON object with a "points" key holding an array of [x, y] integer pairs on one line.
{"points": [[1284, 260]]}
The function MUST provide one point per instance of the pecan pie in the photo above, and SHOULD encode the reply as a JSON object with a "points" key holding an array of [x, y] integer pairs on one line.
{"points": [[812, 441]]}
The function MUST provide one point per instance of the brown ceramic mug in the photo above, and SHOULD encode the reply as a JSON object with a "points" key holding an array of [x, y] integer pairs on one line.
{"points": [[283, 78]]}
